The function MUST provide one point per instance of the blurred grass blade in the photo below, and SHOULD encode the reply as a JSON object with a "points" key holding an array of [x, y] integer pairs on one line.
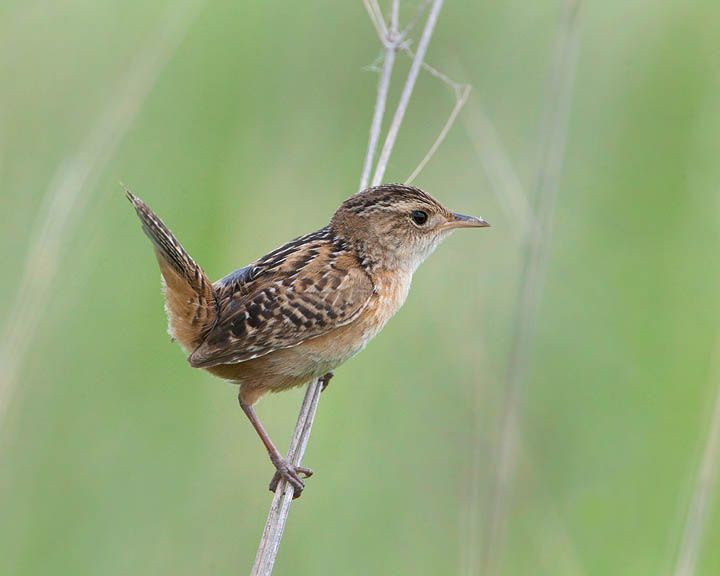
{"points": [[504, 180], [700, 502], [67, 195], [553, 135]]}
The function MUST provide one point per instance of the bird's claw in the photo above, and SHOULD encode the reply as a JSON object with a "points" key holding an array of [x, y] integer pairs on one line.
{"points": [[325, 380], [291, 474]]}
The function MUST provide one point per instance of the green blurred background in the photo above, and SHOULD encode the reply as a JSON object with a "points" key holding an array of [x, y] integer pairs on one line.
{"points": [[244, 124]]}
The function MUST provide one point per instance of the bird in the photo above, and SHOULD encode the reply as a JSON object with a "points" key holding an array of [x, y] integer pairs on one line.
{"points": [[305, 308]]}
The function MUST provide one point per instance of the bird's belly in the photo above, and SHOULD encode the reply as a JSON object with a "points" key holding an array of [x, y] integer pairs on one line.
{"points": [[320, 355]]}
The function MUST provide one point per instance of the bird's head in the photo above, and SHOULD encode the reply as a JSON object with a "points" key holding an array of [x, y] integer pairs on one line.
{"points": [[397, 226]]}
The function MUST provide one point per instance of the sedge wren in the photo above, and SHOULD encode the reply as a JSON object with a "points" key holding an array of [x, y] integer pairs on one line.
{"points": [[305, 308]]}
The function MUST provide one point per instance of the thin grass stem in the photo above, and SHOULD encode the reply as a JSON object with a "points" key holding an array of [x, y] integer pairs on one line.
{"points": [[406, 93]]}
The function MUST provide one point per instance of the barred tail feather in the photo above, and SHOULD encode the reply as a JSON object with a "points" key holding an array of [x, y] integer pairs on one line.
{"points": [[190, 300]]}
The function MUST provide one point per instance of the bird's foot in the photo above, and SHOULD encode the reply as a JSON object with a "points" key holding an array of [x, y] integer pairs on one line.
{"points": [[291, 474], [325, 380]]}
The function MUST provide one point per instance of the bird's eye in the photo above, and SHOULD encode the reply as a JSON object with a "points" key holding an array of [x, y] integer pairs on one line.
{"points": [[419, 217]]}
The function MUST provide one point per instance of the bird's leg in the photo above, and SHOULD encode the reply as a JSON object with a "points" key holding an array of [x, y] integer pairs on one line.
{"points": [[285, 469], [325, 380]]}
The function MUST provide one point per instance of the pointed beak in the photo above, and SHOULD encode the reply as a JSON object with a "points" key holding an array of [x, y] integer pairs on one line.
{"points": [[462, 221]]}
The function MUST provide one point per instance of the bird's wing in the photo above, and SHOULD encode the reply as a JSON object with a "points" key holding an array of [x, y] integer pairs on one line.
{"points": [[300, 291]]}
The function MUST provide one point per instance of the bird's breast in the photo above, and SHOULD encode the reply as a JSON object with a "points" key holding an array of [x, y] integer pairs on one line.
{"points": [[343, 343], [391, 289]]}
